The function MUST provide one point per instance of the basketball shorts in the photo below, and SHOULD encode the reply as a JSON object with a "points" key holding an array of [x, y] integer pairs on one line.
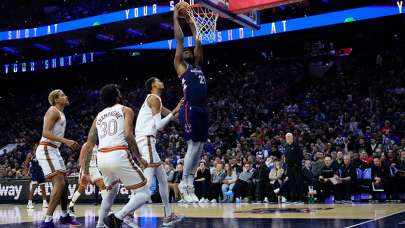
{"points": [[194, 122], [147, 148], [116, 164], [50, 160], [37, 177]]}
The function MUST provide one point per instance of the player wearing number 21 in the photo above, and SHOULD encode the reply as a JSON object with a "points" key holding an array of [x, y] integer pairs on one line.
{"points": [[193, 115]]}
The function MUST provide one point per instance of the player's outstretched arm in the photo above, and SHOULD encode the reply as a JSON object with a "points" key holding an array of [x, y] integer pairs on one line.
{"points": [[155, 105], [51, 116], [86, 151], [179, 64], [198, 50]]}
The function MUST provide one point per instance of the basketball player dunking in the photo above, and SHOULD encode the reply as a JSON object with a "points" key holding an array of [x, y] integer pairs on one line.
{"points": [[51, 161], [149, 121], [113, 130], [193, 115]]}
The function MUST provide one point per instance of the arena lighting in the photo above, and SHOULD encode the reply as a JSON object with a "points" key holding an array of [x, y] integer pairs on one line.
{"points": [[10, 50], [42, 47], [134, 32], [166, 26], [105, 37], [88, 22], [334, 18], [73, 43]]}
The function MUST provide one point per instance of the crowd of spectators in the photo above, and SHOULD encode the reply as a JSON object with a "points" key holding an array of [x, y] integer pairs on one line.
{"points": [[348, 124]]}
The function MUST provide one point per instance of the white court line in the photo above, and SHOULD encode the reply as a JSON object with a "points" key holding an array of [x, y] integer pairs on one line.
{"points": [[373, 220]]}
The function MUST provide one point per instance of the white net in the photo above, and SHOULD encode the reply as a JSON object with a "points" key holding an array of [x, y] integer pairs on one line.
{"points": [[205, 21]]}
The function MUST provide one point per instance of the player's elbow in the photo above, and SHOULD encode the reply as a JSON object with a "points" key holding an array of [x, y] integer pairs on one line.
{"points": [[46, 134]]}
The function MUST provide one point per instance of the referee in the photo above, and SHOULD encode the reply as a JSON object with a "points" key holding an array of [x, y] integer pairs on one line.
{"points": [[294, 159]]}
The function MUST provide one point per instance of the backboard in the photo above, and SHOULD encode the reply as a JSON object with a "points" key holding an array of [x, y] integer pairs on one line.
{"points": [[243, 12], [246, 19]]}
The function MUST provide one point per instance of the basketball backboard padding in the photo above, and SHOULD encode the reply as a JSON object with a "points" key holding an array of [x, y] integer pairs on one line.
{"points": [[242, 6], [223, 9]]}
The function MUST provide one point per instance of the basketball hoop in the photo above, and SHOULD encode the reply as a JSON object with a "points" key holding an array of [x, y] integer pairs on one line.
{"points": [[205, 21]]}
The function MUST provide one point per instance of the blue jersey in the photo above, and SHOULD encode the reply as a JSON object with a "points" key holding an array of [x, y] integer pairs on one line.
{"points": [[194, 87]]}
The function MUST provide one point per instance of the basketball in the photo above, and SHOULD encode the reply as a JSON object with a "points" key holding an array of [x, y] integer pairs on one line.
{"points": [[183, 8]]}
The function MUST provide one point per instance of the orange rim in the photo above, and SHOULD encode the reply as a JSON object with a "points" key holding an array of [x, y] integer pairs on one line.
{"points": [[196, 6]]}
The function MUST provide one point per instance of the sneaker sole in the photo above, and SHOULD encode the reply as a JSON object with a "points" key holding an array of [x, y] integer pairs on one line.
{"points": [[174, 222]]}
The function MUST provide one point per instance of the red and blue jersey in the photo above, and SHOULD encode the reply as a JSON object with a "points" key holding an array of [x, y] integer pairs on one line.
{"points": [[194, 87]]}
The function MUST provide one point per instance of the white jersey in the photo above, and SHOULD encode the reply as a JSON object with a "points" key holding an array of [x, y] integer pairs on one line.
{"points": [[110, 127], [145, 124], [58, 129], [93, 161]]}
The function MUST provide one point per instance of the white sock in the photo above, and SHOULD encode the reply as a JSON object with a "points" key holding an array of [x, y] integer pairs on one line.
{"points": [[106, 203], [136, 201], [29, 201], [44, 201], [48, 218], [75, 196], [164, 189]]}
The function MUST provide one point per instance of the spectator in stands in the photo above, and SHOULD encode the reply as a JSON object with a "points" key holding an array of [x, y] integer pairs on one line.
{"points": [[326, 179], [379, 176], [217, 177], [260, 179], [228, 183], [366, 160], [277, 177], [339, 159], [243, 183], [318, 164], [355, 161], [174, 183], [308, 177], [235, 166], [202, 182], [400, 174], [347, 175]]}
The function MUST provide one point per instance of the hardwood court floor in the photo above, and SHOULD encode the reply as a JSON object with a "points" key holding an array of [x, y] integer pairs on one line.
{"points": [[232, 215]]}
